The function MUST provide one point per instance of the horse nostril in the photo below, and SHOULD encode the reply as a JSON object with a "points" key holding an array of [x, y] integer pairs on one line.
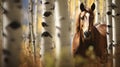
{"points": [[86, 33]]}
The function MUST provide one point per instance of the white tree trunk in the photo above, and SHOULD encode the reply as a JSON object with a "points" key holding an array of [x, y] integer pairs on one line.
{"points": [[35, 20], [48, 33], [57, 34], [73, 16], [85, 2], [32, 40], [64, 34], [36, 27], [35, 16], [109, 25], [116, 31], [12, 33], [97, 12], [109, 30], [103, 18], [73, 13], [0, 31]]}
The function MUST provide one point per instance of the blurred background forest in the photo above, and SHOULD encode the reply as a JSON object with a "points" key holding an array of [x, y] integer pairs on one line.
{"points": [[35, 51]]}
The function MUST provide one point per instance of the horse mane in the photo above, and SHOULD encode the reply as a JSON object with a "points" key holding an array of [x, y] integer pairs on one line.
{"points": [[78, 23]]}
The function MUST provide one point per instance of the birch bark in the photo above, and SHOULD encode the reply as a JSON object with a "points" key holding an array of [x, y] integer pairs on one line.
{"points": [[64, 33], [48, 33], [116, 31], [12, 33]]}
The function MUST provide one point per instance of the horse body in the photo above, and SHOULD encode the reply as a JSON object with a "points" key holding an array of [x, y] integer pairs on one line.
{"points": [[94, 35], [99, 42]]}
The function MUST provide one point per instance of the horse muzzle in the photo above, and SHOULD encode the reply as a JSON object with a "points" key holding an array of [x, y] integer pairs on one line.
{"points": [[87, 34]]}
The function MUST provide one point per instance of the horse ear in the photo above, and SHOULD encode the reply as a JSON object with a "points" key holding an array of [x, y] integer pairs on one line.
{"points": [[82, 8], [93, 7]]}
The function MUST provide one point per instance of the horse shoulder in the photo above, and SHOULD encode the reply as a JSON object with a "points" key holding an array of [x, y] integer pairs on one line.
{"points": [[102, 29]]}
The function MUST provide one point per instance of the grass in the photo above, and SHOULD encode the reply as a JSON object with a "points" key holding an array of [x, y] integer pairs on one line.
{"points": [[27, 57]]}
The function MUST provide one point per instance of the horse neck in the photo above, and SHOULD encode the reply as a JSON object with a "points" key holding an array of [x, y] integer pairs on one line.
{"points": [[94, 34]]}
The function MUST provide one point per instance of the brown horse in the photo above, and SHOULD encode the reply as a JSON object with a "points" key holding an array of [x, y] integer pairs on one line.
{"points": [[87, 34]]}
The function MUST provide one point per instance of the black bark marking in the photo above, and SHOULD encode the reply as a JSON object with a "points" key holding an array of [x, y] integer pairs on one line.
{"points": [[14, 25], [5, 11], [12, 40], [47, 3], [110, 46], [69, 29], [98, 13], [52, 47], [3, 0], [5, 35], [113, 41], [109, 13], [40, 2], [113, 6], [44, 24], [6, 59], [17, 1], [118, 14], [62, 18], [58, 28], [47, 13], [46, 34], [40, 55], [113, 16], [33, 42], [52, 7], [19, 6], [30, 52], [109, 26], [107, 33], [6, 52], [31, 10], [58, 34]]}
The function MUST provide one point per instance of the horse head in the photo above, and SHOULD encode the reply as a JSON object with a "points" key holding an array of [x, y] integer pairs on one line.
{"points": [[86, 19]]}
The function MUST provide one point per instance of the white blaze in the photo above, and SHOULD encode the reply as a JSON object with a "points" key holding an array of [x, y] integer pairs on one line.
{"points": [[86, 22]]}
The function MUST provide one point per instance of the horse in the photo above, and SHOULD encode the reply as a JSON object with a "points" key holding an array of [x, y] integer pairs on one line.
{"points": [[88, 34]]}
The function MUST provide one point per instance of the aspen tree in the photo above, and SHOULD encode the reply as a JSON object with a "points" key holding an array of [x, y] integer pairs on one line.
{"points": [[62, 16], [109, 30], [97, 12], [48, 33], [116, 31], [12, 33]]}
